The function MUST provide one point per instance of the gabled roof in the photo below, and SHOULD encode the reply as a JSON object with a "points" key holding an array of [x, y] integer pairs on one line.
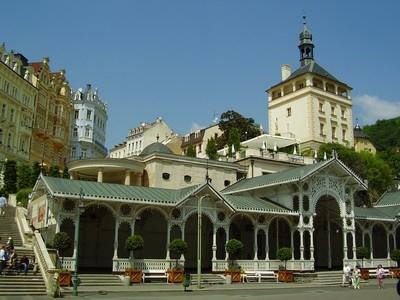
{"points": [[256, 204], [60, 187], [287, 176], [389, 198], [377, 213], [36, 66]]}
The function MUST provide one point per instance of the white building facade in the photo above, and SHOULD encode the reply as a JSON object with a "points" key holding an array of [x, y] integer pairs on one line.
{"points": [[90, 123]]}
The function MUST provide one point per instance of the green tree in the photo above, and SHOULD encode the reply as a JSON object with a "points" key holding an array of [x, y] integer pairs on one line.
{"points": [[24, 173], [395, 255], [191, 151], [132, 244], [177, 247], [384, 134], [211, 149], [284, 254], [62, 242], [35, 173], [23, 196], [231, 119], [65, 173], [367, 166], [233, 139], [362, 253], [234, 248], [10, 177], [54, 171]]}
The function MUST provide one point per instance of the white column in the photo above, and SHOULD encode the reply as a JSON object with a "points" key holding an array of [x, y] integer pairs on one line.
{"points": [[345, 244], [168, 240], [116, 238], [127, 177], [76, 232], [329, 244], [227, 239], [182, 237], [100, 175], [214, 245], [255, 243], [387, 245], [371, 244], [292, 242], [311, 244], [301, 244], [266, 244], [354, 245]]}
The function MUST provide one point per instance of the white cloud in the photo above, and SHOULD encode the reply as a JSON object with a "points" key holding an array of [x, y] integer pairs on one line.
{"points": [[195, 127], [368, 109]]}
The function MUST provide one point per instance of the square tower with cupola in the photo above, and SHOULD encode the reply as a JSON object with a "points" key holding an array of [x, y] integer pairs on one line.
{"points": [[310, 104]]}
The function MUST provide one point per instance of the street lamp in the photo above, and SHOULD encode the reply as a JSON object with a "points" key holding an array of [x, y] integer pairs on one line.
{"points": [[81, 208], [199, 240]]}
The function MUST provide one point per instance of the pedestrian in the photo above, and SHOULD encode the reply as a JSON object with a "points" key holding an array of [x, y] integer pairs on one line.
{"points": [[34, 264], [356, 278], [10, 244], [2, 259], [24, 264], [3, 205], [346, 275], [380, 274]]}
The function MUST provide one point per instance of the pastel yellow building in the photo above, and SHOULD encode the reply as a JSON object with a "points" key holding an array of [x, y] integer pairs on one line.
{"points": [[17, 104], [310, 104], [361, 141]]}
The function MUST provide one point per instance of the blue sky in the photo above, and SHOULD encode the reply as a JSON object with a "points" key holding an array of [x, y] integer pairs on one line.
{"points": [[188, 61]]}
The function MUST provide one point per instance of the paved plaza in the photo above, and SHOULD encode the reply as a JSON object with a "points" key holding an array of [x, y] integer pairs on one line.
{"points": [[235, 292]]}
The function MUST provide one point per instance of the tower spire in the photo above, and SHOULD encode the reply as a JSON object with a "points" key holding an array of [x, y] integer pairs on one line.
{"points": [[306, 45]]}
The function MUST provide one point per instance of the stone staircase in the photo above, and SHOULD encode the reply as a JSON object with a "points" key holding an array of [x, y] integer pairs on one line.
{"points": [[208, 279], [333, 278], [12, 283]]}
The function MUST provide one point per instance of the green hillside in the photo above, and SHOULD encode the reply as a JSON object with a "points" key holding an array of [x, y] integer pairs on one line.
{"points": [[385, 134]]}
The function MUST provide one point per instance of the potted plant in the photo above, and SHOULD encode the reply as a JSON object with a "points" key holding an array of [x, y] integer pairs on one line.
{"points": [[234, 248], [133, 244], [62, 242], [176, 248], [395, 255], [284, 254], [361, 253]]}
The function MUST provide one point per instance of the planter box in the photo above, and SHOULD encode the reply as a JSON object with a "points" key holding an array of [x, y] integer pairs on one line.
{"points": [[134, 274], [175, 276], [285, 276], [64, 278], [235, 275], [395, 272], [364, 272]]}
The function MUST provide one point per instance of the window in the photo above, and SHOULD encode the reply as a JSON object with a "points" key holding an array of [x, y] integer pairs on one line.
{"points": [[343, 113], [3, 111], [321, 129], [306, 203], [333, 133], [187, 178], [88, 114], [1, 136], [83, 153], [76, 114], [296, 206], [12, 115], [332, 109], [87, 132], [227, 182], [344, 134], [289, 111], [73, 152], [321, 107], [75, 133], [166, 176]]}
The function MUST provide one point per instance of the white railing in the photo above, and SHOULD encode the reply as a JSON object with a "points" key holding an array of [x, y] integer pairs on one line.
{"points": [[281, 156], [68, 263], [23, 227], [371, 263], [259, 265], [120, 264], [46, 265]]}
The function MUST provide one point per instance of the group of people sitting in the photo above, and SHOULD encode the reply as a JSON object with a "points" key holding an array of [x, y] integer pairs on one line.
{"points": [[9, 260]]}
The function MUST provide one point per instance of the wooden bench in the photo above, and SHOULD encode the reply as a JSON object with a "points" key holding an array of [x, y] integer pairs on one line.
{"points": [[259, 275], [387, 273], [154, 274]]}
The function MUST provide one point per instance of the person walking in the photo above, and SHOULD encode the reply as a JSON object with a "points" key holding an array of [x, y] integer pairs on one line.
{"points": [[2, 259], [356, 278], [380, 274], [3, 205], [10, 244], [24, 264], [346, 275]]}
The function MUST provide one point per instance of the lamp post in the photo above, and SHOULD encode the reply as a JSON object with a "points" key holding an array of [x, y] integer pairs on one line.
{"points": [[76, 280], [199, 240]]}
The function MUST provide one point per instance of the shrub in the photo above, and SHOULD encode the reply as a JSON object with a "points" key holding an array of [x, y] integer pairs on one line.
{"points": [[284, 254], [177, 247], [23, 196], [62, 242], [395, 255], [132, 244], [234, 248], [362, 252]]}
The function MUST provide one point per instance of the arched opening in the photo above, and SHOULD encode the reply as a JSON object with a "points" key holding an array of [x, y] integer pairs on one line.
{"points": [[152, 226], [124, 231], [379, 241], [96, 238], [68, 227], [328, 237], [359, 236], [206, 243], [261, 243], [175, 233], [367, 241], [349, 238], [221, 242], [296, 245], [278, 236], [307, 241], [242, 229]]}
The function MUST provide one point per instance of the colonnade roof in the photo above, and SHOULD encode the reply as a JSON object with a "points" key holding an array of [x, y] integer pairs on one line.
{"points": [[256, 204], [291, 175], [388, 213], [389, 198]]}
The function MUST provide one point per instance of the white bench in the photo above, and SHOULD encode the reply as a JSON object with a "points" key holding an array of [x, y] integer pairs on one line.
{"points": [[154, 274], [259, 275], [387, 273]]}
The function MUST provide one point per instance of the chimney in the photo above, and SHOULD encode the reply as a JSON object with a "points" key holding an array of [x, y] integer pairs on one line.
{"points": [[286, 71]]}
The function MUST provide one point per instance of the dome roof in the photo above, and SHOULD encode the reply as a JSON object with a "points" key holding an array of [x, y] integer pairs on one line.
{"points": [[156, 148]]}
